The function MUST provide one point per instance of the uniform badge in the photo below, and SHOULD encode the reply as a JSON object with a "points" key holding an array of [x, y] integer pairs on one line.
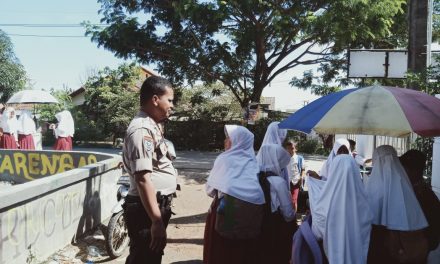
{"points": [[148, 142]]}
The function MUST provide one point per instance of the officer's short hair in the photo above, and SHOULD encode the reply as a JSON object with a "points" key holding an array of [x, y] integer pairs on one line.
{"points": [[153, 85]]}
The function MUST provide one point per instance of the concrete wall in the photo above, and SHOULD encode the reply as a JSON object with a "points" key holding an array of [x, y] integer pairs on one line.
{"points": [[41, 216]]}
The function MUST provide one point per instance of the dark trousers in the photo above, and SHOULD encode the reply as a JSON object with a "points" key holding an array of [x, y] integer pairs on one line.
{"points": [[139, 225]]}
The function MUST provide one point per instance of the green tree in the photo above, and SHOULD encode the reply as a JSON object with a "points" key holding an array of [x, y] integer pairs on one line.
{"points": [[331, 75], [12, 74], [111, 101], [244, 44], [208, 102]]}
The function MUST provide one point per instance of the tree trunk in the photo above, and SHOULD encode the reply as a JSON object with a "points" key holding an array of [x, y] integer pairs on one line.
{"points": [[418, 40]]}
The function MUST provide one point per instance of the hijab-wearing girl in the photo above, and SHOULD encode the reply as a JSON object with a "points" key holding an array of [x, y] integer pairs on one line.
{"points": [[336, 147], [341, 146], [275, 135], [235, 173], [26, 129], [9, 126], [63, 130], [341, 216], [392, 200], [280, 221]]}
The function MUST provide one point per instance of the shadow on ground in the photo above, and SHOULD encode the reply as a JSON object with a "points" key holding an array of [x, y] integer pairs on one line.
{"points": [[191, 219], [194, 176]]}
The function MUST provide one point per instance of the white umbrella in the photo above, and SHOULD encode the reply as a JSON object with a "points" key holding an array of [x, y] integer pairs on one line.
{"points": [[32, 97]]}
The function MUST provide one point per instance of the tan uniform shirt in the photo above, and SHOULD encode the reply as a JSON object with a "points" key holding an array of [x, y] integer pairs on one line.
{"points": [[145, 150]]}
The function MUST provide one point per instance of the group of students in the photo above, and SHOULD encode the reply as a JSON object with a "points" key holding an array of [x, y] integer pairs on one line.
{"points": [[18, 133], [393, 217]]}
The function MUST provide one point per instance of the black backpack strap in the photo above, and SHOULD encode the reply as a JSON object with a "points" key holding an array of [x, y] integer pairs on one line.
{"points": [[265, 185]]}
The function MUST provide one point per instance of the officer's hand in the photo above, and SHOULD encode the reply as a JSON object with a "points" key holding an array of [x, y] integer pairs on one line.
{"points": [[158, 236]]}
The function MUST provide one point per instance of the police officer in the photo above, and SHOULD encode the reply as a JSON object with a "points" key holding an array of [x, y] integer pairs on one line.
{"points": [[152, 175]]}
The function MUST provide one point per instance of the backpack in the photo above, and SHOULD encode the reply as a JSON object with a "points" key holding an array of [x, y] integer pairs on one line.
{"points": [[238, 219]]}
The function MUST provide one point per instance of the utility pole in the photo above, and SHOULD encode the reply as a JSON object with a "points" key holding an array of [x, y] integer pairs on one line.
{"points": [[418, 36]]}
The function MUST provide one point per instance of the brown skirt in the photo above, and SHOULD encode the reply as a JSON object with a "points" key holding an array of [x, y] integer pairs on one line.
{"points": [[7, 141], [63, 143], [26, 142]]}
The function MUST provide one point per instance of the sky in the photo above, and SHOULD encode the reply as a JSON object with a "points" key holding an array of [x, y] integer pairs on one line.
{"points": [[58, 62]]}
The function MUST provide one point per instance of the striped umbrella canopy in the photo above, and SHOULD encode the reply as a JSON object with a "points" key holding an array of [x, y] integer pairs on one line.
{"points": [[373, 110]]}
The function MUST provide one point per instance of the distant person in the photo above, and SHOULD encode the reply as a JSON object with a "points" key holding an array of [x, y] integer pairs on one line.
{"points": [[26, 129], [414, 161], [398, 221], [9, 127], [341, 216], [234, 178], [296, 170], [63, 131], [361, 161], [341, 146], [279, 223], [275, 135], [147, 207]]}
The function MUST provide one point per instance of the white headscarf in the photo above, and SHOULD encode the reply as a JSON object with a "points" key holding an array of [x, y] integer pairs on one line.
{"points": [[9, 124], [275, 135], [273, 158], [326, 166], [26, 124], [66, 127], [235, 171], [391, 195], [341, 215]]}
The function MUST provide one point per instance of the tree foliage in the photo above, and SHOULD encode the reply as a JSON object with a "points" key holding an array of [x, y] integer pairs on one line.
{"points": [[244, 44], [12, 74], [111, 101], [208, 102], [47, 112]]}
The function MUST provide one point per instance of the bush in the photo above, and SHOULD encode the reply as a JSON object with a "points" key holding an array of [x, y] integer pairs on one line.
{"points": [[310, 146], [196, 134]]}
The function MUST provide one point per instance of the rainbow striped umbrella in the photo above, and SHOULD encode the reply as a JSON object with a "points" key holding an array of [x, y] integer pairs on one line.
{"points": [[373, 110]]}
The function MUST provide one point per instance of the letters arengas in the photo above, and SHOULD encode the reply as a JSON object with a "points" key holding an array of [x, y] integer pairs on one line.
{"points": [[23, 166]]}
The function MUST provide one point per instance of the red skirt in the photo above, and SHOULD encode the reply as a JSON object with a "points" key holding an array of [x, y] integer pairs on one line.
{"points": [[220, 250], [7, 141], [63, 143], [26, 142]]}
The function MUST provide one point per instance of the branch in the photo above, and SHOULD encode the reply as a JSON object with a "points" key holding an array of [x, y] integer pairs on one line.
{"points": [[151, 49], [286, 51], [294, 63]]}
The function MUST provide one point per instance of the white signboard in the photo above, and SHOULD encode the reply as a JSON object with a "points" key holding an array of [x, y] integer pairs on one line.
{"points": [[377, 63], [398, 64], [365, 63]]}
